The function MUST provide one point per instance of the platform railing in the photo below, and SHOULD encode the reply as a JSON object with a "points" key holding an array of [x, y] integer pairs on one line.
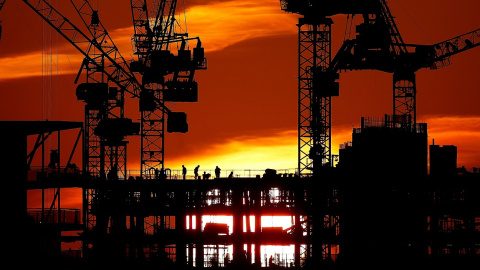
{"points": [[65, 216], [209, 174], [37, 174]]}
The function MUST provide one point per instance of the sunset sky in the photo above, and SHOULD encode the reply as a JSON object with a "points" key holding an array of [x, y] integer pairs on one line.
{"points": [[246, 117]]}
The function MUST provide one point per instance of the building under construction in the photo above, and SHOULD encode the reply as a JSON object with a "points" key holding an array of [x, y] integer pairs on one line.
{"points": [[379, 207], [346, 217]]}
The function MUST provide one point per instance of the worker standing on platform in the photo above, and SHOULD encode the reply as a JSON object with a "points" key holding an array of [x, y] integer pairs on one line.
{"points": [[217, 172], [184, 172], [196, 171]]}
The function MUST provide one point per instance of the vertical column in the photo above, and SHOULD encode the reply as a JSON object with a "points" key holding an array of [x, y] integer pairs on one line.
{"points": [[199, 236], [189, 239], [298, 238], [152, 132], [258, 224], [180, 228], [249, 243], [238, 237], [404, 98], [316, 87], [92, 161]]}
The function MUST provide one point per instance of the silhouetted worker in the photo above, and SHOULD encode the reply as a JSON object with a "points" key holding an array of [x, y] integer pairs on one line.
{"points": [[206, 176], [54, 159], [217, 172], [195, 171], [163, 176], [230, 175], [113, 173], [184, 172], [73, 167]]}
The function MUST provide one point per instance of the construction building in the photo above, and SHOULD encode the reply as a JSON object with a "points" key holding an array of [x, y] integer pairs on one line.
{"points": [[388, 183], [380, 147], [365, 217], [443, 160], [378, 208]]}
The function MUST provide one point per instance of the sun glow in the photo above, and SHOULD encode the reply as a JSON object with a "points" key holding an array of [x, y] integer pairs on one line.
{"points": [[277, 151], [223, 225]]}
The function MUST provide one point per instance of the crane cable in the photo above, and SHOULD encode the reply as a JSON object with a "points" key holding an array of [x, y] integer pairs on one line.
{"points": [[414, 22], [348, 27]]}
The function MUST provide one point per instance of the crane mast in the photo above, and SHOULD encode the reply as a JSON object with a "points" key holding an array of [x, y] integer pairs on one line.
{"points": [[404, 84], [103, 64], [316, 81], [377, 46], [314, 100], [165, 76], [105, 124]]}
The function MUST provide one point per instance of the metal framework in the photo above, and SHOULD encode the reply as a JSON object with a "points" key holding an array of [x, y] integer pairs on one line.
{"points": [[103, 156], [378, 46], [442, 51], [103, 64], [404, 86], [155, 34], [314, 106]]}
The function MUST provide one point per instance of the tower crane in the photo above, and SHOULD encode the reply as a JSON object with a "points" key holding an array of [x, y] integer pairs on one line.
{"points": [[316, 83], [102, 56], [103, 64], [378, 45], [165, 76], [105, 123]]}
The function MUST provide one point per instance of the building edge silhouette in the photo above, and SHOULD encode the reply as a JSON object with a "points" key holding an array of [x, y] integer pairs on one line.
{"points": [[359, 213]]}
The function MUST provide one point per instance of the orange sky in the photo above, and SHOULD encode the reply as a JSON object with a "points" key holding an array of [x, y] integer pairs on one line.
{"points": [[246, 117]]}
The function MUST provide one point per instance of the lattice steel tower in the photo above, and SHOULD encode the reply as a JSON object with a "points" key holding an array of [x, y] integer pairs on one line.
{"points": [[314, 100], [166, 77]]}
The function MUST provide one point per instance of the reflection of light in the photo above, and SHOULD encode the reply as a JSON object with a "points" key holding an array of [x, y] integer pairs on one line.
{"points": [[193, 226], [218, 219], [278, 221], [278, 255], [284, 222], [282, 255], [251, 223]]}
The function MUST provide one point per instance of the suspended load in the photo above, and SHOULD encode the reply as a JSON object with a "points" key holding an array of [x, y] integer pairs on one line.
{"points": [[177, 122]]}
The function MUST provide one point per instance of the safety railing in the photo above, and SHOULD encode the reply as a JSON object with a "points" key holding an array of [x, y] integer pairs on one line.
{"points": [[210, 174], [37, 173], [62, 216]]}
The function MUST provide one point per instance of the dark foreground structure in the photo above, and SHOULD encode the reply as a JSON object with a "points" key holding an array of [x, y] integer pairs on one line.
{"points": [[343, 218], [379, 208]]}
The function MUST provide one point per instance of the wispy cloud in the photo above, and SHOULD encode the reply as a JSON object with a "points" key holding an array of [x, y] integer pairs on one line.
{"points": [[38, 64], [218, 25], [221, 24]]}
